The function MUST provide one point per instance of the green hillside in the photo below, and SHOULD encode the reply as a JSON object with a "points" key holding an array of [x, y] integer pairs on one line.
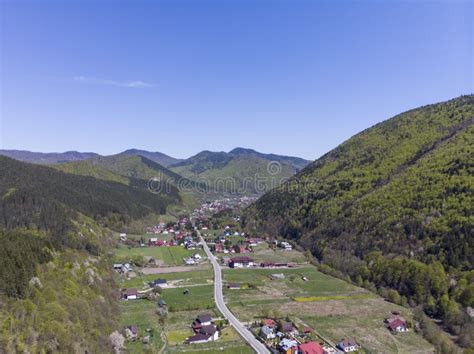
{"points": [[134, 166], [87, 168], [392, 207], [136, 171], [30, 193], [157, 157], [57, 291], [240, 171]]}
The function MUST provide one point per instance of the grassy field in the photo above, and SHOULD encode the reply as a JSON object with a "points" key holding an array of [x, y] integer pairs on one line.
{"points": [[183, 309], [200, 276], [199, 298], [141, 313], [292, 285], [264, 253], [362, 319], [147, 237], [171, 256], [214, 348], [334, 308]]}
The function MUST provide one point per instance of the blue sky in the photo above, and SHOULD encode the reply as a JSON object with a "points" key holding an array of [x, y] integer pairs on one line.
{"points": [[287, 77]]}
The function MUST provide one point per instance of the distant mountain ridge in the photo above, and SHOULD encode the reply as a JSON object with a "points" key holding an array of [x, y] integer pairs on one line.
{"points": [[158, 157], [239, 171], [51, 158], [47, 158], [242, 168]]}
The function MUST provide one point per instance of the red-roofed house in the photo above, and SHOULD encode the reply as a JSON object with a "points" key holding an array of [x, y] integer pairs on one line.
{"points": [[219, 248], [241, 262], [397, 325], [310, 348]]}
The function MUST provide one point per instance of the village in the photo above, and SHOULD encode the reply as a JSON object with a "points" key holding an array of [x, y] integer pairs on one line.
{"points": [[268, 284]]}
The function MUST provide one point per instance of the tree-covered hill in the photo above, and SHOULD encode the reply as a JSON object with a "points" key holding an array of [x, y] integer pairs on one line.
{"points": [[135, 166], [240, 171], [137, 171], [390, 200], [57, 291], [36, 196], [158, 157]]}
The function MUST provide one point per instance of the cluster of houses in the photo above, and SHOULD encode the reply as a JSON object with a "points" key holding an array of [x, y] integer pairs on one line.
{"points": [[194, 260], [190, 243], [135, 294], [204, 330], [156, 229], [155, 242], [284, 337], [220, 247], [165, 229], [212, 207]]}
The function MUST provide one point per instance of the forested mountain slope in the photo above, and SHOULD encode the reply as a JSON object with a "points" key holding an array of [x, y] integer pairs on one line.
{"points": [[158, 157], [56, 289], [240, 171], [30, 193], [135, 166], [387, 201], [137, 171]]}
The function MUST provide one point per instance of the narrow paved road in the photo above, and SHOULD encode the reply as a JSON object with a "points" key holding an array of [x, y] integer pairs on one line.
{"points": [[219, 299]]}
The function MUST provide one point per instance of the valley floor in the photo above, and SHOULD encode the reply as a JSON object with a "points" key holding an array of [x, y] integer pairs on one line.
{"points": [[333, 308], [168, 335]]}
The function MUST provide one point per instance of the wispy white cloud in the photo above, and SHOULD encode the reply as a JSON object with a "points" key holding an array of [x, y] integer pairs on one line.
{"points": [[96, 81]]}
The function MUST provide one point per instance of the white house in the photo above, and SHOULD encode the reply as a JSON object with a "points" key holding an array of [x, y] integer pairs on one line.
{"points": [[118, 266], [286, 246], [287, 344], [267, 333], [189, 261], [130, 294], [207, 334], [241, 262], [347, 345], [126, 268]]}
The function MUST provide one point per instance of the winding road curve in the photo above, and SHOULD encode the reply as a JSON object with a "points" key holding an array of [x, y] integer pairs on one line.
{"points": [[219, 299]]}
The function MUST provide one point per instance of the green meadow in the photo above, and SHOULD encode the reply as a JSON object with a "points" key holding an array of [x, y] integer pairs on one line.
{"points": [[166, 255]]}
